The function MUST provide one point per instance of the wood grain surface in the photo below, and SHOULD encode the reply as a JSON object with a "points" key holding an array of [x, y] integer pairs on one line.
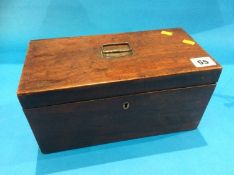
{"points": [[63, 70], [80, 124]]}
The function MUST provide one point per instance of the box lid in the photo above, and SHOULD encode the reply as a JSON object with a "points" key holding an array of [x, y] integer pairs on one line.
{"points": [[64, 70]]}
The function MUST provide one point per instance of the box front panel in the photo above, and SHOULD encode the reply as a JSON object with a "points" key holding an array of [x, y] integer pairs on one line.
{"points": [[73, 125]]}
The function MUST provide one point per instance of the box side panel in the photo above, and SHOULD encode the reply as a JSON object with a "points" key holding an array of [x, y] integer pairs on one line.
{"points": [[118, 89], [80, 124]]}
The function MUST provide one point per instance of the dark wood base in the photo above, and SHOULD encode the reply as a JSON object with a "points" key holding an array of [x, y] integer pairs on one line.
{"points": [[80, 124]]}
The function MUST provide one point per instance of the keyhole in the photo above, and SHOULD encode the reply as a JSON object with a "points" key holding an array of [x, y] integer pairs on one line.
{"points": [[126, 105]]}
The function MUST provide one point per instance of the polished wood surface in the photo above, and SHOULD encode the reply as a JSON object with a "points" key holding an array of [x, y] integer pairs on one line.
{"points": [[63, 70], [89, 90], [73, 125]]}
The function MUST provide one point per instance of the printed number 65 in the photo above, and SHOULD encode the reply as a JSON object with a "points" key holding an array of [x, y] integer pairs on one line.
{"points": [[202, 62]]}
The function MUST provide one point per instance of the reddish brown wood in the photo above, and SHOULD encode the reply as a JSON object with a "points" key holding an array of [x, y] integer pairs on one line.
{"points": [[74, 95], [73, 125], [73, 69]]}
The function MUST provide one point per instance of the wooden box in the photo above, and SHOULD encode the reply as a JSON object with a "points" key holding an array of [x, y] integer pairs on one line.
{"points": [[89, 90]]}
